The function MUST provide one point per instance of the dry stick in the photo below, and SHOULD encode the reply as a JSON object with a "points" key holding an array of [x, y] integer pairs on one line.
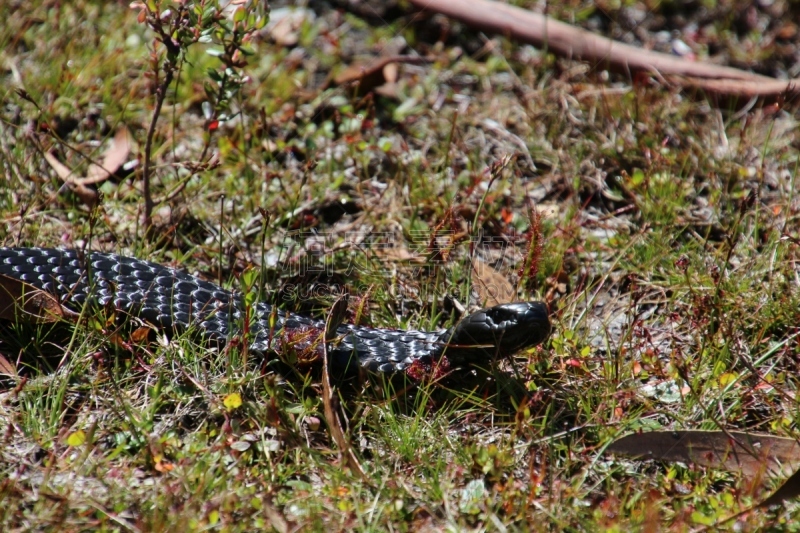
{"points": [[161, 94], [335, 318], [603, 53], [170, 65]]}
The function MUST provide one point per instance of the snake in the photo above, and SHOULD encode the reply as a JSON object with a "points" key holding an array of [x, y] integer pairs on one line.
{"points": [[173, 301]]}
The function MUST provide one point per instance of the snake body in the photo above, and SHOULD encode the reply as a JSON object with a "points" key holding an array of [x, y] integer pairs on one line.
{"points": [[172, 300]]}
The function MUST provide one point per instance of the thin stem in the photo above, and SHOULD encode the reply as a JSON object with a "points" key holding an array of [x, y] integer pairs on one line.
{"points": [[161, 94]]}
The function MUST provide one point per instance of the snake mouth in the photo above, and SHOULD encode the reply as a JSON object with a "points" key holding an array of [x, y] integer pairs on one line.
{"points": [[500, 330]]}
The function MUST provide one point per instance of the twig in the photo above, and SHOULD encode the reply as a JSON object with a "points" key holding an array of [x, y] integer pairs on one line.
{"points": [[603, 53], [335, 317], [161, 94]]}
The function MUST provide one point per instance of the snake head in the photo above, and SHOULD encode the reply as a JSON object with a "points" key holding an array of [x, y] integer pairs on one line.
{"points": [[500, 330]]}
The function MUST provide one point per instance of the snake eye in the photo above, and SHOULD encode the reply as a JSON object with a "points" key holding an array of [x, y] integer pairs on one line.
{"points": [[502, 315], [520, 324], [522, 313]]}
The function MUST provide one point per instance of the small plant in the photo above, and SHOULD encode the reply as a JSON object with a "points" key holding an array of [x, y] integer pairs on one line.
{"points": [[226, 27]]}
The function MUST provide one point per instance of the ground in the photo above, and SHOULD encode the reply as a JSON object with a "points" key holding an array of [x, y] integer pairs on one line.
{"points": [[659, 226]]}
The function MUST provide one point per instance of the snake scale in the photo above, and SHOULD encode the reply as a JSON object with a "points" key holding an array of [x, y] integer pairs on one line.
{"points": [[175, 301]]}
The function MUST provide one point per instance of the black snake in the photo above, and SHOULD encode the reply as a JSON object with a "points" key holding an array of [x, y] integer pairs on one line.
{"points": [[169, 299]]}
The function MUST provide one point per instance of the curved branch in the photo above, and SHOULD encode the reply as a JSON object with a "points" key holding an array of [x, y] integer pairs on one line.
{"points": [[603, 53]]}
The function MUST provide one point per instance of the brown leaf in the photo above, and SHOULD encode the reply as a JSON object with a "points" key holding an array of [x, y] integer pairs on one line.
{"points": [[285, 25], [276, 519], [492, 287], [62, 171], [390, 72], [284, 34], [366, 77], [140, 335], [88, 196], [116, 156], [736, 451], [19, 300], [388, 90], [399, 254], [7, 368]]}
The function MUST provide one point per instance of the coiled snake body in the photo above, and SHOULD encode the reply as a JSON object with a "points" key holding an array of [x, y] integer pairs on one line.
{"points": [[172, 300]]}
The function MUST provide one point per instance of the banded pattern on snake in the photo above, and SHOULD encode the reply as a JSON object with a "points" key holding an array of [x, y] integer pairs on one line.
{"points": [[172, 300]]}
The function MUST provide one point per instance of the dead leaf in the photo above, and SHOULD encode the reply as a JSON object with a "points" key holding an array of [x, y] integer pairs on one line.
{"points": [[399, 254], [62, 171], [113, 158], [284, 34], [285, 24], [390, 72], [366, 77], [116, 155], [492, 287], [7, 368], [19, 300], [736, 451], [389, 91], [141, 334], [164, 466], [557, 286], [87, 195], [276, 519], [269, 146]]}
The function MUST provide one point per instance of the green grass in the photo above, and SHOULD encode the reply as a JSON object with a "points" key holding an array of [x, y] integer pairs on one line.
{"points": [[663, 271]]}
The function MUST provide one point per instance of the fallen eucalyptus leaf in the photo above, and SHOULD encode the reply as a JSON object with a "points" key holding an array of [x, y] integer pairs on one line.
{"points": [[736, 451]]}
